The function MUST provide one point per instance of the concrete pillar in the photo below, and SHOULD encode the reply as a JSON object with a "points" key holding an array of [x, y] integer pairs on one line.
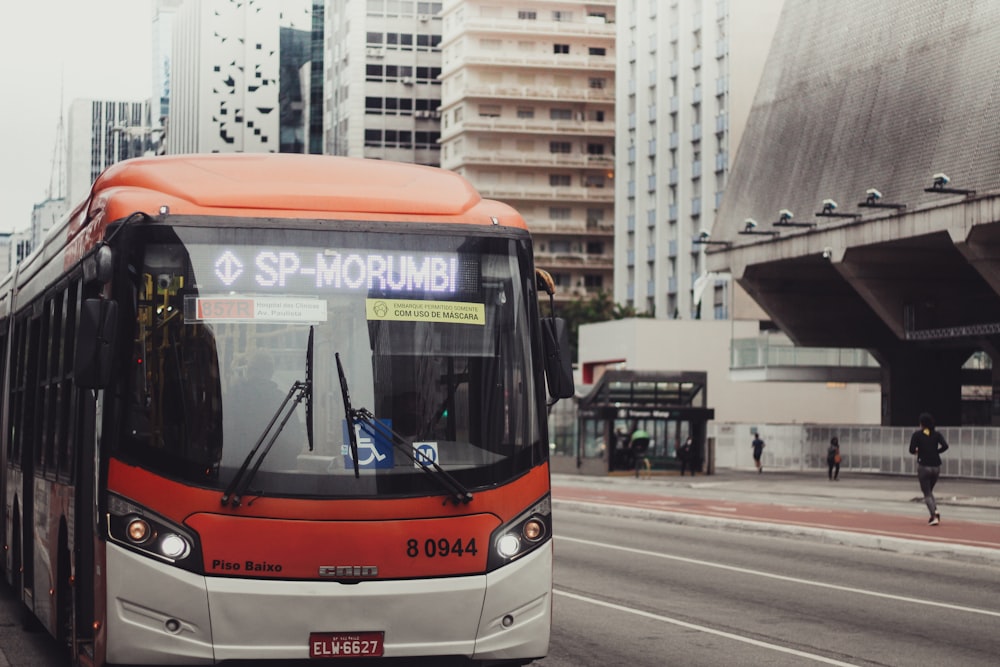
{"points": [[916, 380]]}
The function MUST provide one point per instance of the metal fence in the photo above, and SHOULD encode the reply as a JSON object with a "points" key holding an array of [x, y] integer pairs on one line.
{"points": [[974, 451]]}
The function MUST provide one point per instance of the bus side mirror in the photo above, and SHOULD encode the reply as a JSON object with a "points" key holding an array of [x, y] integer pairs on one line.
{"points": [[558, 364], [95, 338]]}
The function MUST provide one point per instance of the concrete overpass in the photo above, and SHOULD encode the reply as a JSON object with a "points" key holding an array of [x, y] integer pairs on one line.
{"points": [[864, 205]]}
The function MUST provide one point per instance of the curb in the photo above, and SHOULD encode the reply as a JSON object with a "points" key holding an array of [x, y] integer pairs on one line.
{"points": [[826, 535]]}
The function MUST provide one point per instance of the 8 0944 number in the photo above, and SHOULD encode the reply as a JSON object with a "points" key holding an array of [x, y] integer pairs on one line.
{"points": [[441, 547]]}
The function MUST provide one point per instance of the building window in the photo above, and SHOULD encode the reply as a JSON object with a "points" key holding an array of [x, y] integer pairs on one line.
{"points": [[597, 51], [560, 48], [595, 247], [559, 180], [593, 281], [561, 114], [597, 83], [559, 213], [595, 149], [374, 38], [525, 112], [527, 14], [562, 16], [489, 110], [559, 147]]}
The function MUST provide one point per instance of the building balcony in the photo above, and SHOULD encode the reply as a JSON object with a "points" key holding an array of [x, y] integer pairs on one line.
{"points": [[540, 93], [573, 228], [513, 193], [522, 126], [533, 159], [592, 65], [511, 27], [570, 260]]}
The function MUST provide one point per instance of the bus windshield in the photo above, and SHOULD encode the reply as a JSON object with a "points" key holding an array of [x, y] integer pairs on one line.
{"points": [[432, 329]]}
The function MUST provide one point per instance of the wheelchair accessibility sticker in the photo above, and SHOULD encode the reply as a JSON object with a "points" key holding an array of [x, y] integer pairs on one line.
{"points": [[374, 450]]}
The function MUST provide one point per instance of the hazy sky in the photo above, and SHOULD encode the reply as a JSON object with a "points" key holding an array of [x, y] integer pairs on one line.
{"points": [[51, 53]]}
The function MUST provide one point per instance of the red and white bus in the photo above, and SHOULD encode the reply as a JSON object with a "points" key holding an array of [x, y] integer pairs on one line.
{"points": [[278, 407]]}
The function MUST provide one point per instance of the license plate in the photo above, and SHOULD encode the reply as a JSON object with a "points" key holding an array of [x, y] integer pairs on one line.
{"points": [[346, 644]]}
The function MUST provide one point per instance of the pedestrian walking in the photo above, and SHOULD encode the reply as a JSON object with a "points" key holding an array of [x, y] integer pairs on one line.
{"points": [[686, 456], [758, 450], [639, 441], [928, 445], [833, 459]]}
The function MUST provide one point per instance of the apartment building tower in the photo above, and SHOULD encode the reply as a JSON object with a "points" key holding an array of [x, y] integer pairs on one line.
{"points": [[687, 74], [382, 85], [528, 116]]}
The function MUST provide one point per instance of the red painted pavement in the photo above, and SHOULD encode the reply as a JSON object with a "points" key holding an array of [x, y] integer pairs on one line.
{"points": [[888, 525]]}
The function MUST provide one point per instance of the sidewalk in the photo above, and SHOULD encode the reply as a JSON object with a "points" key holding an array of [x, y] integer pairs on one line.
{"points": [[868, 510]]}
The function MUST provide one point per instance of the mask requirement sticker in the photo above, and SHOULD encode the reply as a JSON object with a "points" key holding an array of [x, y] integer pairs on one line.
{"points": [[406, 310]]}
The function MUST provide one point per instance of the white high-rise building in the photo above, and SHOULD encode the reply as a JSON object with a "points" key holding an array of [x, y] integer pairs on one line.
{"points": [[528, 116], [687, 74], [383, 62], [164, 12], [225, 68], [99, 134]]}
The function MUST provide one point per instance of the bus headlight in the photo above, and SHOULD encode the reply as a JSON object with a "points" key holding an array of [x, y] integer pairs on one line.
{"points": [[525, 533], [174, 546], [508, 545], [138, 530], [145, 532]]}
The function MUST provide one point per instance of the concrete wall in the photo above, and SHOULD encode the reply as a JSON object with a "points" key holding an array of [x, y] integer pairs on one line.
{"points": [[693, 345]]}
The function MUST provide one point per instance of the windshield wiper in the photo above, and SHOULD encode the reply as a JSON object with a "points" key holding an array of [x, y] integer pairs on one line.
{"points": [[238, 486], [457, 493], [299, 391]]}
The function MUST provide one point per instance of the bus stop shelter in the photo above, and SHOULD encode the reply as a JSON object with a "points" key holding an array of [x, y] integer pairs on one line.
{"points": [[669, 407]]}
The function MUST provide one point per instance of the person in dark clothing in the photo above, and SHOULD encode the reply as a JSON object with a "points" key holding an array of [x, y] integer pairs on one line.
{"points": [[928, 445], [685, 454], [758, 450], [833, 459]]}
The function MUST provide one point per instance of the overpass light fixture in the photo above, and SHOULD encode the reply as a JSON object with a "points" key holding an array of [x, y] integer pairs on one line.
{"points": [[828, 253], [939, 184], [705, 238], [750, 227], [785, 220], [873, 199], [830, 211]]}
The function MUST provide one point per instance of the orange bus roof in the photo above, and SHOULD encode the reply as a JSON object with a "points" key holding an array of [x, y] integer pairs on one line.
{"points": [[285, 185]]}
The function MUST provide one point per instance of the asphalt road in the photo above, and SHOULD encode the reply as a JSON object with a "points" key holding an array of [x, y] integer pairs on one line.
{"points": [[637, 592]]}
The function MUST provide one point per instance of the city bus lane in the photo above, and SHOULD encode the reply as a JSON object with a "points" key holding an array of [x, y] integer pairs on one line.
{"points": [[882, 528], [708, 597]]}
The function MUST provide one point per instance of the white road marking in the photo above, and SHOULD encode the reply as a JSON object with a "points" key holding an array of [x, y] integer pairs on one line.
{"points": [[705, 629], [794, 580]]}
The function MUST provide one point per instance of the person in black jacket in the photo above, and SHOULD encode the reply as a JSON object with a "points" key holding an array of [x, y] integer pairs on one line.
{"points": [[928, 445], [833, 459]]}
